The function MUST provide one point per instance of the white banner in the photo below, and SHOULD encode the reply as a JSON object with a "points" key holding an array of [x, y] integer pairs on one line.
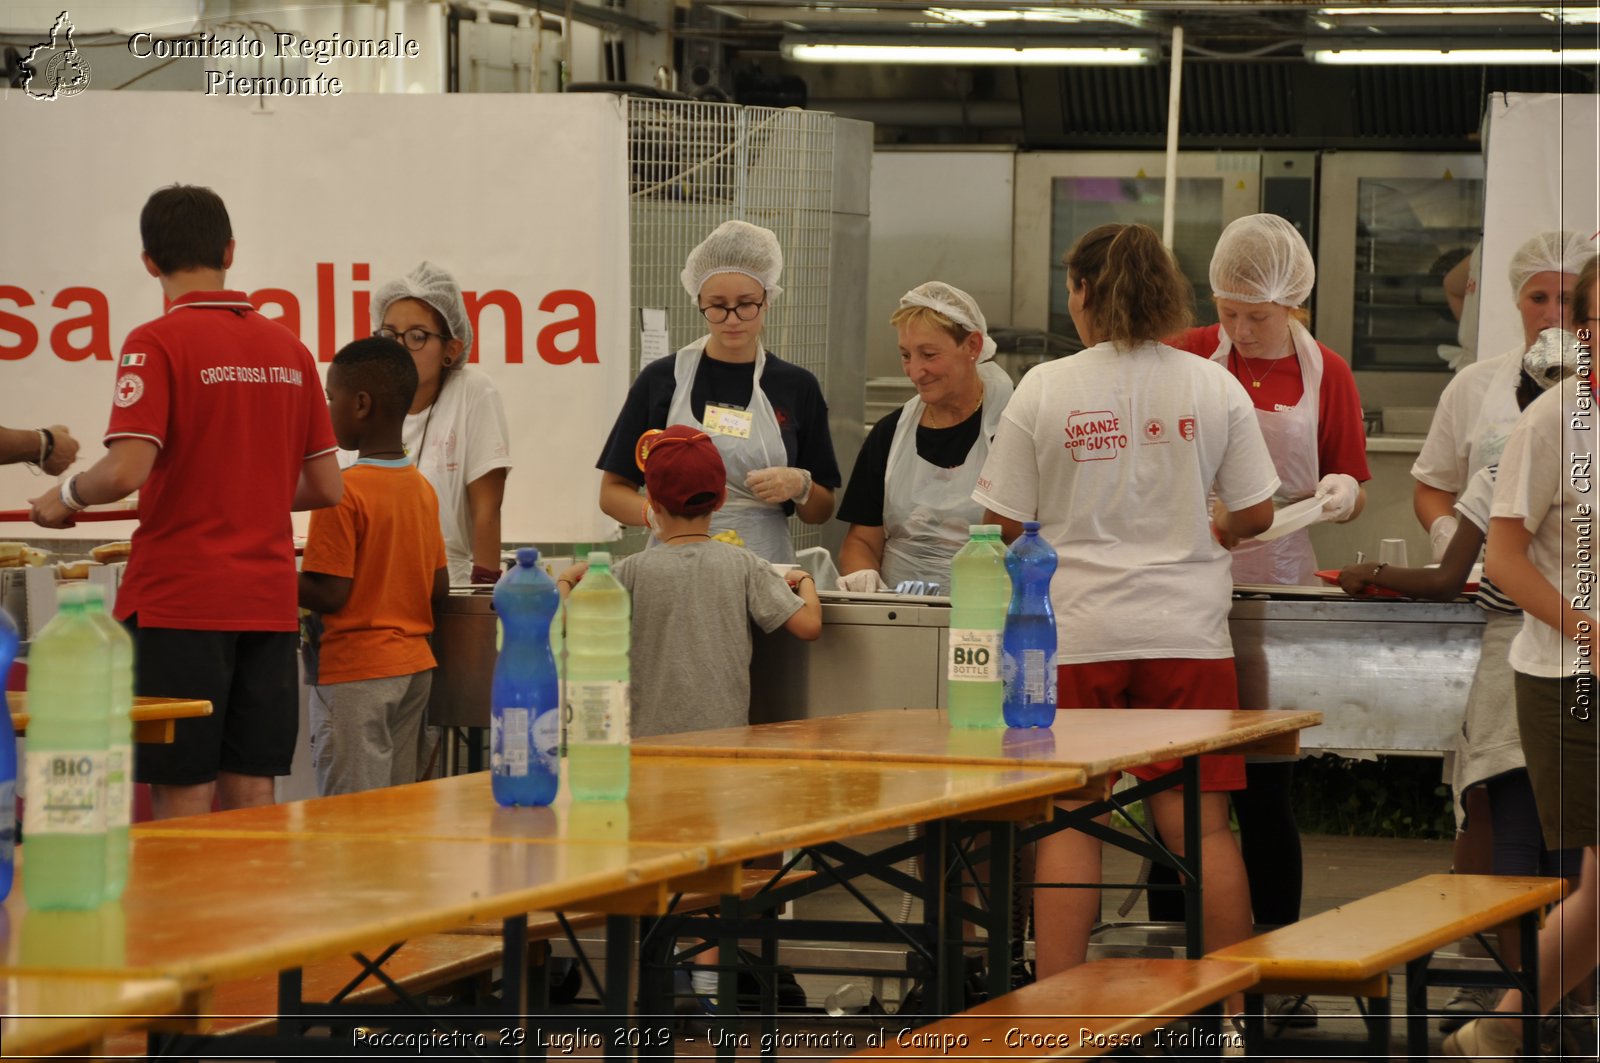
{"points": [[1541, 175], [522, 197]]}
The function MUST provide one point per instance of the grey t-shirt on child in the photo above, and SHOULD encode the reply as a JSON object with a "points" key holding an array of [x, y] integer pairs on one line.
{"points": [[692, 609]]}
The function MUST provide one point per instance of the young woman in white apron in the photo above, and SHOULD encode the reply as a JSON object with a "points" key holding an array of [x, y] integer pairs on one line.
{"points": [[732, 276], [926, 505], [1261, 274]]}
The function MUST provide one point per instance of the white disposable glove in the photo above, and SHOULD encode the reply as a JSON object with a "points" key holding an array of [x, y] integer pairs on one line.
{"points": [[863, 581], [1338, 491], [1440, 532], [780, 483]]}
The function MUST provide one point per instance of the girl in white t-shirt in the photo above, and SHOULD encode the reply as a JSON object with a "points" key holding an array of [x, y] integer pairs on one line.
{"points": [[456, 431], [1541, 553], [1115, 451]]}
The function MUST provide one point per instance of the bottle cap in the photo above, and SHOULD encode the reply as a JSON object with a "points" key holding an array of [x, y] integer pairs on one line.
{"points": [[527, 556], [599, 559], [1030, 526], [74, 595], [93, 594]]}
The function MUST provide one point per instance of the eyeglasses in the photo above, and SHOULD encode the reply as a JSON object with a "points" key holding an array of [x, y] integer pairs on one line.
{"points": [[743, 311], [414, 339]]}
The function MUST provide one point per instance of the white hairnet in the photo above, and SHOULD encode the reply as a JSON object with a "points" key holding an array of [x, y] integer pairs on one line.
{"points": [[735, 247], [1552, 251], [433, 285], [1554, 355], [1262, 258], [954, 304]]}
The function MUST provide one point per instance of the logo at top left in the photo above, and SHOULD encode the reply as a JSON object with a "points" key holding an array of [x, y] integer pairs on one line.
{"points": [[55, 69]]}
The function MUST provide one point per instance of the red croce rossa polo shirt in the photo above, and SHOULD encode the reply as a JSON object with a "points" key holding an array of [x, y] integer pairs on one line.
{"points": [[235, 404]]}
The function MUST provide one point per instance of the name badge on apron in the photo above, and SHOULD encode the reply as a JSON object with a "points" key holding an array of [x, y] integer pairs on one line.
{"points": [[727, 421]]}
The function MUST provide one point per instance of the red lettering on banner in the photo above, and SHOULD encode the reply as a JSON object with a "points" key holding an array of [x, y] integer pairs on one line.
{"points": [[284, 300], [20, 327], [97, 321], [361, 300], [583, 349], [511, 307], [325, 336]]}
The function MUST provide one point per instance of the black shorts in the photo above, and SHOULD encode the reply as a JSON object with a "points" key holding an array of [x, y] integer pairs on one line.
{"points": [[250, 679]]}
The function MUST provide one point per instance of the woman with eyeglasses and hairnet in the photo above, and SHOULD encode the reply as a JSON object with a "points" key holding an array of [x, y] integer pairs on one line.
{"points": [[766, 416], [456, 431], [909, 505]]}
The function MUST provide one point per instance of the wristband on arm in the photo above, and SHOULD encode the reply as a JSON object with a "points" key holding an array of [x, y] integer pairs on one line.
{"points": [[69, 495]]}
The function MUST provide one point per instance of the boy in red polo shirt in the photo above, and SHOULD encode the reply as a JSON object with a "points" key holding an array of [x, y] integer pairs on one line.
{"points": [[218, 422]]}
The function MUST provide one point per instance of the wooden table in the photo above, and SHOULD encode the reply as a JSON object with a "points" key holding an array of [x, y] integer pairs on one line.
{"points": [[43, 1015], [154, 719], [236, 894], [1101, 743]]}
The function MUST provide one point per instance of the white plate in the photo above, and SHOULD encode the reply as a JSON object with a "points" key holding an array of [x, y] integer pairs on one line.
{"points": [[1292, 518]]}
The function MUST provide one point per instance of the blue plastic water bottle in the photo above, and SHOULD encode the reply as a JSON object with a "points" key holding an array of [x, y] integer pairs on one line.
{"points": [[8, 761], [525, 699], [1028, 649]]}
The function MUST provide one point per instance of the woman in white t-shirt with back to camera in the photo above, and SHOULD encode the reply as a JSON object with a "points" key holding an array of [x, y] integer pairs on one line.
{"points": [[1115, 452], [456, 430]]}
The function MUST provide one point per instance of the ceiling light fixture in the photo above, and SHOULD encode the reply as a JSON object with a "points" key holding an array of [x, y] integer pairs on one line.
{"points": [[982, 17], [813, 51], [1453, 57], [1370, 12]]}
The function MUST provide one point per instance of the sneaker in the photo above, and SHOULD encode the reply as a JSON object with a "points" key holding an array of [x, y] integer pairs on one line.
{"points": [[1286, 1011], [1466, 1004], [1486, 1040]]}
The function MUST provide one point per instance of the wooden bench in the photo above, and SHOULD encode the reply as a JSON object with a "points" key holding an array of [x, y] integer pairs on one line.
{"points": [[1090, 1010], [48, 1014], [1350, 950]]}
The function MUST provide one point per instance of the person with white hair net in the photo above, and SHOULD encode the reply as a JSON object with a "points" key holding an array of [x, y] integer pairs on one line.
{"points": [[909, 504], [1304, 394], [456, 431], [1305, 401], [1478, 407], [767, 416], [1470, 427]]}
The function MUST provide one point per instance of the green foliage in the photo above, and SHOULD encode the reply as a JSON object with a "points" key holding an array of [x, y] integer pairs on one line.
{"points": [[1393, 797]]}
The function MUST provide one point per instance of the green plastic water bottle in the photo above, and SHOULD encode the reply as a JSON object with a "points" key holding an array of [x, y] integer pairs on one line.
{"points": [[69, 705], [119, 742], [598, 727], [980, 591]]}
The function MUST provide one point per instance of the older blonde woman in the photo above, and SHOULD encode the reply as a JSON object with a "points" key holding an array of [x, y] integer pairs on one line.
{"points": [[909, 503]]}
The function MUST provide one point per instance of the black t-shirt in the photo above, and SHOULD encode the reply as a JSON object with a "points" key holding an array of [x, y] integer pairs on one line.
{"points": [[944, 447], [794, 393]]}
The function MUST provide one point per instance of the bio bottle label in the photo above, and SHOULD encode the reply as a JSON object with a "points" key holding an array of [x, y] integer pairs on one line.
{"points": [[119, 786], [508, 750], [599, 711], [974, 656], [66, 792]]}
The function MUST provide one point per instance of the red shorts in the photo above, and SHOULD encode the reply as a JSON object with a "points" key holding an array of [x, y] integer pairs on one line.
{"points": [[1160, 683]]}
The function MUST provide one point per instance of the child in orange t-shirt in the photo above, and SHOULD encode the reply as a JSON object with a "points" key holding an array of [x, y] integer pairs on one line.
{"points": [[374, 567]]}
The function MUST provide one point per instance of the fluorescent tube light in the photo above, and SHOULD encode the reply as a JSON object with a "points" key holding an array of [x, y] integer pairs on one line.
{"points": [[984, 16], [1453, 57], [1370, 12], [964, 54]]}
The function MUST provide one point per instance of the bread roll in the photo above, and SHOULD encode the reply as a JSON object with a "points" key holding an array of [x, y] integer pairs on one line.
{"points": [[112, 552], [75, 569]]}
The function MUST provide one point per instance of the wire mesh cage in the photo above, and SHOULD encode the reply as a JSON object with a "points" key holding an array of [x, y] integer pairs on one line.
{"points": [[693, 166]]}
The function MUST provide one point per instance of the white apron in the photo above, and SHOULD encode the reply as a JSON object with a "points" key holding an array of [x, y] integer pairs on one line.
{"points": [[1497, 416], [763, 527], [927, 511], [1291, 437]]}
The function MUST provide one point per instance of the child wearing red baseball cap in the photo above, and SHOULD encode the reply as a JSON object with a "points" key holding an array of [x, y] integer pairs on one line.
{"points": [[694, 597]]}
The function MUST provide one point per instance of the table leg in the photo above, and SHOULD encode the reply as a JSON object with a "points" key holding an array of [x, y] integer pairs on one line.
{"points": [[620, 931], [1193, 889], [1002, 905], [1530, 978]]}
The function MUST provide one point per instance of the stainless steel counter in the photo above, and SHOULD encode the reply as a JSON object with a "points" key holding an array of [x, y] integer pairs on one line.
{"points": [[1389, 676]]}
